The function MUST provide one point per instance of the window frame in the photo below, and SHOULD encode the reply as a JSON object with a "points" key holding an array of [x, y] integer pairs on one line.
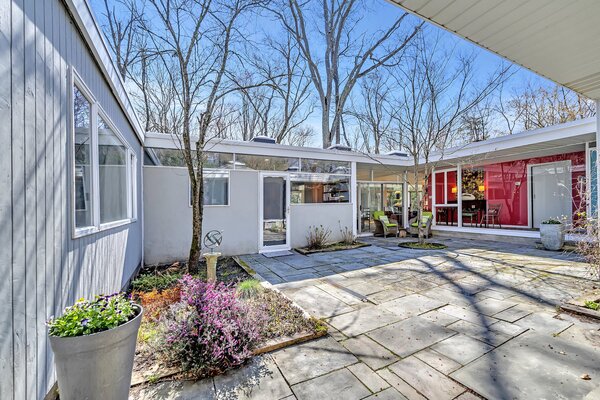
{"points": [[96, 111], [208, 172]]}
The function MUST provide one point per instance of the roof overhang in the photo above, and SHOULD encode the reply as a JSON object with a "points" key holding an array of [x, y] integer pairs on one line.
{"points": [[168, 141], [557, 39], [558, 139], [88, 26]]}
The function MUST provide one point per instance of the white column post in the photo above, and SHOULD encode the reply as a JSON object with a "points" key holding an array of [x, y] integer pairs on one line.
{"points": [[433, 210], [598, 158], [405, 200], [354, 198], [459, 194]]}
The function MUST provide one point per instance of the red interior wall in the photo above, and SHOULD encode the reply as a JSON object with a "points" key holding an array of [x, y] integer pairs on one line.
{"points": [[506, 183]]}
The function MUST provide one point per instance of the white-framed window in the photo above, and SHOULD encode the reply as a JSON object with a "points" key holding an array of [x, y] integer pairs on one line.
{"points": [[103, 185], [216, 188]]}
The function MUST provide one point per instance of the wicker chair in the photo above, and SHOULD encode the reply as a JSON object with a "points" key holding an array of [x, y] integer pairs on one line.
{"points": [[383, 226], [426, 219]]}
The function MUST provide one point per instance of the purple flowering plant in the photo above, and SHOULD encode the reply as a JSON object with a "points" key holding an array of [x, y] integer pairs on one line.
{"points": [[86, 317], [210, 330]]}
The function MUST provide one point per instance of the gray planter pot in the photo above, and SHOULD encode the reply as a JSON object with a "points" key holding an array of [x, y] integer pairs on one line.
{"points": [[553, 236], [96, 366]]}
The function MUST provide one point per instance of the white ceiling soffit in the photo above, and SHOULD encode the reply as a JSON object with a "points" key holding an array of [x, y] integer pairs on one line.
{"points": [[557, 39]]}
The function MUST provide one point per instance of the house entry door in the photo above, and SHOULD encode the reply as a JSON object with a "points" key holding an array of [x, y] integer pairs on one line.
{"points": [[274, 215], [550, 192]]}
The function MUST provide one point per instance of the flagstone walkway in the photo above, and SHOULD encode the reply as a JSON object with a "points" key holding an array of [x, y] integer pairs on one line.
{"points": [[478, 319]]}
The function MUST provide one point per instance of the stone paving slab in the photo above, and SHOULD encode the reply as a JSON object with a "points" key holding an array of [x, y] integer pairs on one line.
{"points": [[364, 320], [438, 361], [410, 335], [368, 377], [544, 323], [534, 366], [387, 394], [259, 380], [426, 380], [400, 385], [370, 352], [319, 303], [514, 313], [412, 305], [337, 385], [311, 359], [484, 334], [462, 349]]}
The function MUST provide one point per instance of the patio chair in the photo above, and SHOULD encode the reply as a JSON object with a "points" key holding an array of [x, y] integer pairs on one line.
{"points": [[383, 226], [471, 214], [492, 215], [426, 219]]}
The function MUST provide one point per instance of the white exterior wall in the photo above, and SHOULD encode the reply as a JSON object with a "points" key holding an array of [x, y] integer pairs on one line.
{"points": [[168, 215], [330, 215]]}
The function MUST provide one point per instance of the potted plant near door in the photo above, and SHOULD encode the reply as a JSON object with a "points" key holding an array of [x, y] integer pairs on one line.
{"points": [[94, 345], [552, 233]]}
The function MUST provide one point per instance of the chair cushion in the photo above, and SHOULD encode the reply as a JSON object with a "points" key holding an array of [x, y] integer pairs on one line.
{"points": [[384, 220]]}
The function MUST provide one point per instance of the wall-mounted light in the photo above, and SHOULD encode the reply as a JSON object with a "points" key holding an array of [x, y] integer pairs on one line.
{"points": [[455, 190], [481, 188]]}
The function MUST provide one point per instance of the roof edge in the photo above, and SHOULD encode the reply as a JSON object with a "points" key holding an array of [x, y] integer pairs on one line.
{"points": [[86, 22]]}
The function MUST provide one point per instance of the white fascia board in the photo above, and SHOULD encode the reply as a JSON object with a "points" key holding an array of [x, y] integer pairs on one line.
{"points": [[163, 140], [86, 22], [562, 131]]}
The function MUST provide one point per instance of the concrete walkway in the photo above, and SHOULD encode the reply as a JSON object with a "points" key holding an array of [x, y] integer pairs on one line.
{"points": [[475, 320]]}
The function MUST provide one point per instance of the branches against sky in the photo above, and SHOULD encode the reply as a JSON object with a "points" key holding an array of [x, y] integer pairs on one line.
{"points": [[316, 72]]}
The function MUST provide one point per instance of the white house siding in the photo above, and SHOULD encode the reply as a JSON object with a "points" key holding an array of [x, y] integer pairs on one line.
{"points": [[168, 215], [42, 268], [331, 216]]}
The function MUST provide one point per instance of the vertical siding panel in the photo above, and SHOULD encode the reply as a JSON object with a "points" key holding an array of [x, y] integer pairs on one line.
{"points": [[30, 266], [6, 300], [49, 120], [40, 199], [18, 201]]}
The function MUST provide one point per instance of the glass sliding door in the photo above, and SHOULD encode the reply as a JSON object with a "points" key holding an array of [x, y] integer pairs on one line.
{"points": [[370, 202], [275, 201], [382, 197], [551, 192]]}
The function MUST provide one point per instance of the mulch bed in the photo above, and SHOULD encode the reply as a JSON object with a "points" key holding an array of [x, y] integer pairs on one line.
{"points": [[332, 247], [422, 246]]}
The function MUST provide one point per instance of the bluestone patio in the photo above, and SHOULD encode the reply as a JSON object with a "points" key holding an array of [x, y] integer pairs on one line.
{"points": [[476, 319]]}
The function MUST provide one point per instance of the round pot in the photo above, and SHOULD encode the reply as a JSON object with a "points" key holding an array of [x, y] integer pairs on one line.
{"points": [[553, 236], [96, 366]]}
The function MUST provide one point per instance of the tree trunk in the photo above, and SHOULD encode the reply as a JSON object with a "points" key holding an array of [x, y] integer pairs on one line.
{"points": [[195, 247]]}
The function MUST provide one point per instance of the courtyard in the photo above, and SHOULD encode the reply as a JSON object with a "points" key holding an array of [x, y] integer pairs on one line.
{"points": [[478, 319]]}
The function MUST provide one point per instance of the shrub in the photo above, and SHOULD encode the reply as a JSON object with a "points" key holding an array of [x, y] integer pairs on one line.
{"points": [[210, 330], [317, 237], [551, 221], [87, 317], [159, 281], [155, 302], [249, 288], [592, 305], [347, 235]]}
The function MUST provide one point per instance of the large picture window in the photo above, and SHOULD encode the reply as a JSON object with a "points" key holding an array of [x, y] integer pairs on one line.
{"points": [[319, 188], [103, 168]]}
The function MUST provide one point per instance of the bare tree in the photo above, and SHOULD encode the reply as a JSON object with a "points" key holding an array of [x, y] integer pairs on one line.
{"points": [[344, 55], [538, 107], [437, 89], [374, 113], [194, 42], [122, 30]]}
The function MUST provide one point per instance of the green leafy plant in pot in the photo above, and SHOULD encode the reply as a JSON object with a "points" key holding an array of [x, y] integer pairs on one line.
{"points": [[552, 234], [94, 344]]}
